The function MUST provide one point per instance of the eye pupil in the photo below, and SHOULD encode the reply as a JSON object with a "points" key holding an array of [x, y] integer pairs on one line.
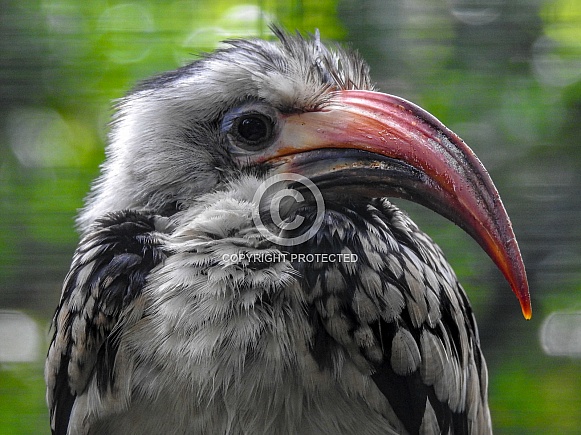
{"points": [[250, 128], [253, 129]]}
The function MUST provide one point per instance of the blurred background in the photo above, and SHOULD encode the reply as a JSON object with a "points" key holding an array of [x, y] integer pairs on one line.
{"points": [[505, 75]]}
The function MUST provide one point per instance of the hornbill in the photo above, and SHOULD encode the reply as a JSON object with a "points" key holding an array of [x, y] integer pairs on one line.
{"points": [[240, 269]]}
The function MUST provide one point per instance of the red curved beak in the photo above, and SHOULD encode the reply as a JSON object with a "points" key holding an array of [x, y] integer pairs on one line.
{"points": [[382, 145]]}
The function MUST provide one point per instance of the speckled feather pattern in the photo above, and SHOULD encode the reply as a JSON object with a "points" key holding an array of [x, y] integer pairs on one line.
{"points": [[237, 347]]}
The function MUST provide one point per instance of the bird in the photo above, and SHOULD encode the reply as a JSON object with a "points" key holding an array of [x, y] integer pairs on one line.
{"points": [[243, 269]]}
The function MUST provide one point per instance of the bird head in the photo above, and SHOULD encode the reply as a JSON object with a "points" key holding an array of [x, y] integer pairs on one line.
{"points": [[295, 107]]}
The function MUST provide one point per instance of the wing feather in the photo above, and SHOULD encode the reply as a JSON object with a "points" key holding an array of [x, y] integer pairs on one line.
{"points": [[108, 271], [405, 319]]}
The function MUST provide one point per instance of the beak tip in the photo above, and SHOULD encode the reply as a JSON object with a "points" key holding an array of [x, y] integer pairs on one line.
{"points": [[527, 310], [524, 299]]}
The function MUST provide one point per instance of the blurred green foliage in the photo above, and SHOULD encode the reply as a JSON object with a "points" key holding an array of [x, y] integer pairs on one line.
{"points": [[506, 76], [22, 405]]}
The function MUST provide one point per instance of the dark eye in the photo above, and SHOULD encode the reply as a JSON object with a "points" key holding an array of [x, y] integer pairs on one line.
{"points": [[252, 130]]}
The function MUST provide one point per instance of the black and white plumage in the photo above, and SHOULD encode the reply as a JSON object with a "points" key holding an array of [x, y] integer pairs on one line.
{"points": [[164, 327]]}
